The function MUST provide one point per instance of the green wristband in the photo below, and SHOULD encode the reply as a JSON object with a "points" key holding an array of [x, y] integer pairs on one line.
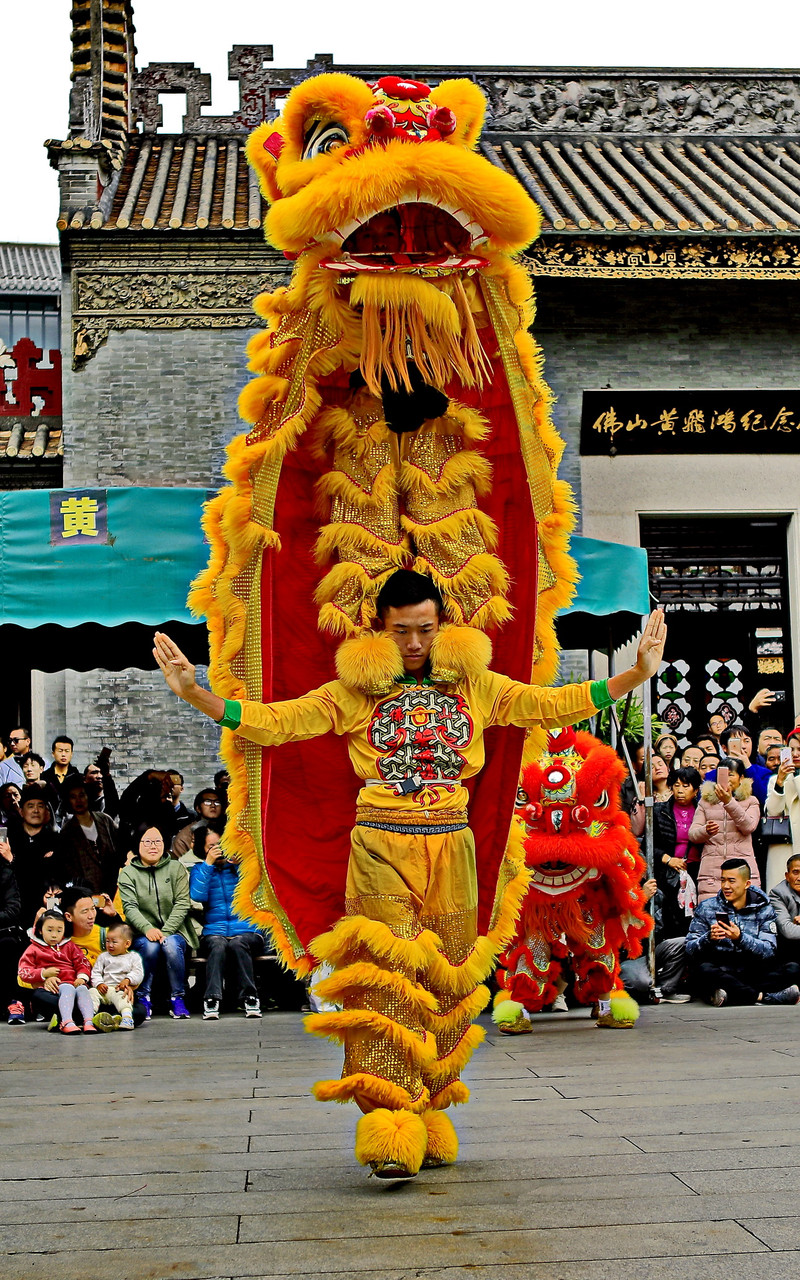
{"points": [[598, 692], [232, 716]]}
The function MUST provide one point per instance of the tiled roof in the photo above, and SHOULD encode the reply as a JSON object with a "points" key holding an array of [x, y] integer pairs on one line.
{"points": [[597, 184], [171, 182], [23, 440], [30, 268]]}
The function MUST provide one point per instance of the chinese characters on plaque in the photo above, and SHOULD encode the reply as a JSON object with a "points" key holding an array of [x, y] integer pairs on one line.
{"points": [[628, 422], [78, 517]]}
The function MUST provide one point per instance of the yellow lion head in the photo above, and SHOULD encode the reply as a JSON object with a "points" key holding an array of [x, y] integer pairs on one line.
{"points": [[386, 176]]}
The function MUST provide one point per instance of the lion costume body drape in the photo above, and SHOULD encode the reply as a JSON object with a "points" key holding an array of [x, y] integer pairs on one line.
{"points": [[398, 418]]}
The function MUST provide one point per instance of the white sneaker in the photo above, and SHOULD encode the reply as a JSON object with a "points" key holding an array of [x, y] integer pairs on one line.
{"points": [[127, 1022], [210, 1009], [559, 1005], [252, 1008], [677, 997]]}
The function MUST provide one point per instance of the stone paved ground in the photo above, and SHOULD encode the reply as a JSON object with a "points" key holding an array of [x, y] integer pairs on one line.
{"points": [[192, 1150]]}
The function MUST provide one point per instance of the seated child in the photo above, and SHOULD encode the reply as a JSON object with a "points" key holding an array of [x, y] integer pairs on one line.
{"points": [[54, 964], [116, 974]]}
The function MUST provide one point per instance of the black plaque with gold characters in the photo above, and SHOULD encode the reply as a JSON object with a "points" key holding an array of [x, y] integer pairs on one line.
{"points": [[664, 422]]}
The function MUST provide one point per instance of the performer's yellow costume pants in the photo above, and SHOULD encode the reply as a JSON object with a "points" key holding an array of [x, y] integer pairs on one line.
{"points": [[407, 970]]}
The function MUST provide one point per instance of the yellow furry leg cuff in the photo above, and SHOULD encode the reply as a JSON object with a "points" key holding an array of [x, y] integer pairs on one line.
{"points": [[391, 1136], [442, 1145], [368, 1092]]}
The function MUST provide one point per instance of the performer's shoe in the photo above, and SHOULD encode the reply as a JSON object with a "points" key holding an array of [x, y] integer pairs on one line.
{"points": [[622, 1015], [442, 1145], [511, 1019], [392, 1143]]}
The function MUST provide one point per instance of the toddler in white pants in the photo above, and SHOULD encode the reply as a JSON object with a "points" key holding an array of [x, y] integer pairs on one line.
{"points": [[116, 974]]}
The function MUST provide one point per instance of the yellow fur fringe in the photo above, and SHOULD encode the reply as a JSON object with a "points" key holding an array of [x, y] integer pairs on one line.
{"points": [[460, 653], [467, 1009], [455, 1061], [452, 1095], [368, 1089], [355, 977], [342, 1023], [370, 662]]}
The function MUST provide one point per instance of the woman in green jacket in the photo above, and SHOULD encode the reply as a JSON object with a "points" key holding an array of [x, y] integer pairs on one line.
{"points": [[154, 890]]}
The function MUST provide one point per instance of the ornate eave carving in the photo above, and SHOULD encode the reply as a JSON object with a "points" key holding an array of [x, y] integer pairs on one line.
{"points": [[678, 258], [180, 287]]}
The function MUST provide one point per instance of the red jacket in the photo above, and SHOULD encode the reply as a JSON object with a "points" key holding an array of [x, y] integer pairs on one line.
{"points": [[66, 957]]}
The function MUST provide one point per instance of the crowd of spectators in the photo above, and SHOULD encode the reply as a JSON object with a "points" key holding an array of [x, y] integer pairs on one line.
{"points": [[108, 899], [725, 888]]}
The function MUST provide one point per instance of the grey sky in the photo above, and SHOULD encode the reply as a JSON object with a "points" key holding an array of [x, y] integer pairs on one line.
{"points": [[35, 50]]}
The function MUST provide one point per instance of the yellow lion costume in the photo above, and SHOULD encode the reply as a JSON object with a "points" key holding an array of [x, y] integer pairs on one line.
{"points": [[398, 419]]}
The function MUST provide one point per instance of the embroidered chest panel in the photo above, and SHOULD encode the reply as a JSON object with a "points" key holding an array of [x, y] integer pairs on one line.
{"points": [[421, 730]]}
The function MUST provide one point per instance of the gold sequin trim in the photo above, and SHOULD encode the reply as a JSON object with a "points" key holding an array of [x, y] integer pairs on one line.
{"points": [[405, 818]]}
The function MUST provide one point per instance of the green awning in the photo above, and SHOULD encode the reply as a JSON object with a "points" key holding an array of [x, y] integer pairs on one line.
{"points": [[612, 595], [74, 556], [70, 557]]}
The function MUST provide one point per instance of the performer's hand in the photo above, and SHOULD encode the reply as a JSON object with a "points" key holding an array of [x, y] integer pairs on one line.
{"points": [[651, 645], [176, 668]]}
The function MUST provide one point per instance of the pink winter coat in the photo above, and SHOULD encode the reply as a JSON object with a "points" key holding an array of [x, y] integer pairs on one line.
{"points": [[737, 820]]}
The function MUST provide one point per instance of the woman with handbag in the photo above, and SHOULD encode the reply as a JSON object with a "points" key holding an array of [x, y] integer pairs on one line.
{"points": [[781, 826]]}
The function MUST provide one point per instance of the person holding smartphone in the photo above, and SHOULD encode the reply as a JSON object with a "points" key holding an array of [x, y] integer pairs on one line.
{"points": [[732, 945], [783, 801], [726, 817]]}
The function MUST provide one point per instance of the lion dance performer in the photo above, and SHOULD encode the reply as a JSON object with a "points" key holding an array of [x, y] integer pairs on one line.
{"points": [[584, 901], [397, 400]]}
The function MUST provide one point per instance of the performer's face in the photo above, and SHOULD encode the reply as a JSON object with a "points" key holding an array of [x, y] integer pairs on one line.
{"points": [[413, 627]]}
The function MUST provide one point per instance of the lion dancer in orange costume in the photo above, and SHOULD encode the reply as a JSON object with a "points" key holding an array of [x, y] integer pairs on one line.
{"points": [[584, 901], [395, 494]]}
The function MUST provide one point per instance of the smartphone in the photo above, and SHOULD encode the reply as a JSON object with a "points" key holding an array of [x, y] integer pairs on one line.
{"points": [[723, 917], [51, 901], [98, 901], [723, 776], [786, 755], [3, 833]]}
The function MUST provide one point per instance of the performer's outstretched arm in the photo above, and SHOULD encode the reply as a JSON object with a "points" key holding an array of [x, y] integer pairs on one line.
{"points": [[527, 705], [181, 677], [267, 723]]}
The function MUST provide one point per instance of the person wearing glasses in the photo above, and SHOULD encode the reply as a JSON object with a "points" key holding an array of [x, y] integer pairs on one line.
{"points": [[210, 807], [19, 740], [154, 890]]}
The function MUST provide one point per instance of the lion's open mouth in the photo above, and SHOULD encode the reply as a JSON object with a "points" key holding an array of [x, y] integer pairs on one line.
{"points": [[412, 234], [557, 877]]}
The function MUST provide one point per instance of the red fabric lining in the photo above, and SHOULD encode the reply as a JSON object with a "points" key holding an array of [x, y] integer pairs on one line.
{"points": [[308, 788]]}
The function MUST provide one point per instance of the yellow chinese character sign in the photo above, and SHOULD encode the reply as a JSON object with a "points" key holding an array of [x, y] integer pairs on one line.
{"points": [[78, 517], [664, 422]]}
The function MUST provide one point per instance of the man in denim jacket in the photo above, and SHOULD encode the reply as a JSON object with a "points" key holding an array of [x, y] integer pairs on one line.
{"points": [[732, 944]]}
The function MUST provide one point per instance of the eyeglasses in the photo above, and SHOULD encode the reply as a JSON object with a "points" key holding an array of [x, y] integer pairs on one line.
{"points": [[153, 844], [217, 803], [23, 738]]}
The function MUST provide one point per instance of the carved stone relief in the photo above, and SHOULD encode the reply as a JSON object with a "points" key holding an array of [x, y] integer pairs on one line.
{"points": [[180, 298], [670, 259]]}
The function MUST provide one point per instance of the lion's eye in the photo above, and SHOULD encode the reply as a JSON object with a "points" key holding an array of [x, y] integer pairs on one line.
{"points": [[322, 137], [602, 802]]}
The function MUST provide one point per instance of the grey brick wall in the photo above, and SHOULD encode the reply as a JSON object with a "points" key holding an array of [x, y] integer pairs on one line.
{"points": [[135, 714], [646, 333], [154, 407]]}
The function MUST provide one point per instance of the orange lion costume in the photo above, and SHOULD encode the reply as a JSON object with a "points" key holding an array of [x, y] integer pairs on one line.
{"points": [[584, 902], [397, 420]]}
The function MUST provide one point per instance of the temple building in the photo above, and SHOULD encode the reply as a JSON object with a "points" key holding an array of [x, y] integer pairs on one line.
{"points": [[665, 277]]}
